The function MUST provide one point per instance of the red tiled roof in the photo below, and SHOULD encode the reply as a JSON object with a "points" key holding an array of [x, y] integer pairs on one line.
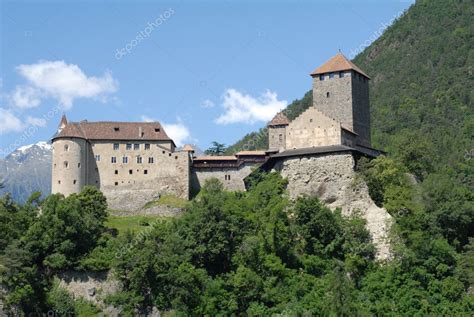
{"points": [[336, 64], [215, 158], [242, 153], [279, 119], [188, 148], [106, 130]]}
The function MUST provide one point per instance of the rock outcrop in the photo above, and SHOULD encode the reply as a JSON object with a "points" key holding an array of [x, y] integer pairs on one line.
{"points": [[333, 180]]}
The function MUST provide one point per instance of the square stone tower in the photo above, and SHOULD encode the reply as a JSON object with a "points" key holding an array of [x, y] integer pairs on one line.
{"points": [[277, 132], [341, 91]]}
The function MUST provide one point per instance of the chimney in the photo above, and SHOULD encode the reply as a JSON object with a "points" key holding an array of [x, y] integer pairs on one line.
{"points": [[140, 132]]}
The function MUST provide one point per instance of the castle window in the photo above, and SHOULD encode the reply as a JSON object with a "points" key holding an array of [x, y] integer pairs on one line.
{"points": [[321, 77], [128, 146], [341, 74], [150, 160], [139, 159], [311, 120], [59, 182], [78, 165], [280, 137], [74, 182], [327, 94], [116, 129], [116, 172], [97, 158], [147, 146], [157, 129], [66, 164], [143, 134], [176, 157], [331, 75], [125, 160], [113, 159], [130, 172], [54, 164], [227, 177], [116, 183], [163, 152], [136, 146], [116, 146], [145, 172], [66, 148]]}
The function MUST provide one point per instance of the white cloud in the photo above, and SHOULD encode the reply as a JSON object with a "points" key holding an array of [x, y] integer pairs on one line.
{"points": [[26, 97], [66, 82], [38, 122], [9, 122], [207, 104], [242, 108], [178, 132], [146, 119]]}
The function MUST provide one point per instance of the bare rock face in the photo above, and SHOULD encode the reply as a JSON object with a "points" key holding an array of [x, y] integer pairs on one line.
{"points": [[333, 180], [92, 286]]}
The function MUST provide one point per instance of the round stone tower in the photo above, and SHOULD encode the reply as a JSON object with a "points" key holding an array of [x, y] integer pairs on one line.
{"points": [[69, 161]]}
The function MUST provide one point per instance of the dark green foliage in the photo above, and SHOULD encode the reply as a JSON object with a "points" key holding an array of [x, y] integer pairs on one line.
{"points": [[39, 244], [216, 149]]}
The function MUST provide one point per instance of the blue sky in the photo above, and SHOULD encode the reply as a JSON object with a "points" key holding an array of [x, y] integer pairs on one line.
{"points": [[207, 70]]}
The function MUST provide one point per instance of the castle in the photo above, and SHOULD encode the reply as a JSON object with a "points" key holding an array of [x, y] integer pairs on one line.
{"points": [[139, 158]]}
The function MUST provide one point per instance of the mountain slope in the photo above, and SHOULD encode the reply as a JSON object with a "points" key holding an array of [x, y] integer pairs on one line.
{"points": [[26, 170], [421, 89]]}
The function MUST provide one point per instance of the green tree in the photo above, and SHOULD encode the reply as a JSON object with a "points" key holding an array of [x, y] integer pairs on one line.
{"points": [[216, 148]]}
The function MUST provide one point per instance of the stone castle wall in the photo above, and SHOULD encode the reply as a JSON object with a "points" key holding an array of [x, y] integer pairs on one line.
{"points": [[69, 170], [332, 179], [312, 128], [360, 95], [126, 184], [235, 183], [277, 137]]}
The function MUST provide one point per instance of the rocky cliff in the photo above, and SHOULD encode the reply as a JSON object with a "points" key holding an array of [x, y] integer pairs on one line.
{"points": [[333, 180]]}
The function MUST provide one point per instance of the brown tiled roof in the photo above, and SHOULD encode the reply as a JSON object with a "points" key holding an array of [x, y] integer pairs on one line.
{"points": [[106, 130], [188, 148], [279, 119], [336, 64], [215, 158], [242, 153]]}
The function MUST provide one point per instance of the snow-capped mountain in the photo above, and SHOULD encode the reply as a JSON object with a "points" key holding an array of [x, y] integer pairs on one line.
{"points": [[26, 170]]}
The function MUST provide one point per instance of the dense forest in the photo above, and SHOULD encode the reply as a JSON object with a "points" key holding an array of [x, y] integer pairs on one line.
{"points": [[259, 253]]}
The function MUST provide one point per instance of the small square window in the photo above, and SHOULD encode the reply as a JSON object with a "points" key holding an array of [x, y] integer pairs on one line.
{"points": [[113, 159], [157, 129], [145, 172], [78, 165], [116, 129], [116, 172], [163, 152], [147, 146], [327, 94], [128, 146], [74, 182], [116, 146], [321, 77], [97, 158], [341, 74], [136, 146], [59, 182], [130, 172], [331, 75], [116, 183]]}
